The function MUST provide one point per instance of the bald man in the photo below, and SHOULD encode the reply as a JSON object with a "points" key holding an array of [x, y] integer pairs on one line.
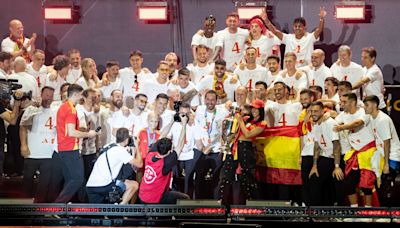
{"points": [[17, 44], [317, 72]]}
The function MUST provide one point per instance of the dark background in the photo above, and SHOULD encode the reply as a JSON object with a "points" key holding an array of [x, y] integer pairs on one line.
{"points": [[110, 29]]}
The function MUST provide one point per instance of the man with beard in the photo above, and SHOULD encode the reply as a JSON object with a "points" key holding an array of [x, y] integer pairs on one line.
{"points": [[307, 145], [209, 118], [75, 72], [317, 72], [115, 82], [16, 43], [202, 67], [273, 63], [38, 133], [165, 115], [222, 82], [159, 84], [299, 42], [326, 158], [116, 102]]}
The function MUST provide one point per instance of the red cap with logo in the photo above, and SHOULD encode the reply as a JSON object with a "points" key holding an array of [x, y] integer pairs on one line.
{"points": [[257, 104]]}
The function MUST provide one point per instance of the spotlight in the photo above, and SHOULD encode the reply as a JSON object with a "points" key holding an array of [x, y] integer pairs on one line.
{"points": [[249, 9], [62, 14], [152, 11], [352, 11]]}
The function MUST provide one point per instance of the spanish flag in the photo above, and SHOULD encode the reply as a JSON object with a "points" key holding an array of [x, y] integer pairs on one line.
{"points": [[278, 155]]}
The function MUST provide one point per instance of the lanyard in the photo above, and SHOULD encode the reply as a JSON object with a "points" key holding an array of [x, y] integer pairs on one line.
{"points": [[150, 140], [208, 124]]}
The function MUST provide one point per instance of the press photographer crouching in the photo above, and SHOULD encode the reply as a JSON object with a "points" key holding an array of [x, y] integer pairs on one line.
{"points": [[103, 186]]}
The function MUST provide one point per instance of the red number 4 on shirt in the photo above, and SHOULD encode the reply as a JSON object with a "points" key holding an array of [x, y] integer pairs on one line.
{"points": [[236, 48]]}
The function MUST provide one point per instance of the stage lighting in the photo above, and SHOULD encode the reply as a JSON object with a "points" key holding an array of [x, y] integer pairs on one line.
{"points": [[350, 10], [249, 9], [153, 11], [62, 14]]}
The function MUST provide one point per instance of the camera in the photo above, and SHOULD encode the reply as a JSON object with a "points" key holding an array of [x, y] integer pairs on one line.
{"points": [[114, 196], [8, 88], [131, 142], [177, 105]]}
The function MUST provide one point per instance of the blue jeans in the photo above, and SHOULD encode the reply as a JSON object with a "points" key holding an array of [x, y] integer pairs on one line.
{"points": [[73, 173]]}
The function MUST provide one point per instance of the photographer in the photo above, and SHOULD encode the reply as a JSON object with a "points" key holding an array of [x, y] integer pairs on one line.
{"points": [[11, 117], [107, 167], [158, 171]]}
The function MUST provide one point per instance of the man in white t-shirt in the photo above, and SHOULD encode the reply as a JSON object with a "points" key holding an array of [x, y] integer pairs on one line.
{"points": [[159, 84], [345, 69], [61, 64], [251, 72], [202, 66], [300, 42], [286, 113], [292, 77], [107, 115], [326, 157], [75, 59], [232, 40], [107, 167], [363, 160], [184, 86], [209, 39], [187, 160], [134, 77], [27, 81], [209, 118], [37, 68], [387, 142], [115, 82], [317, 72], [222, 82], [38, 142], [372, 81], [17, 44], [331, 96], [5, 64], [166, 116]]}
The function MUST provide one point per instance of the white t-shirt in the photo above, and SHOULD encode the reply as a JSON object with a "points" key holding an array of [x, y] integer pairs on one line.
{"points": [[73, 75], [166, 117], [308, 140], [384, 129], [132, 122], [195, 100], [325, 135], [248, 78], [40, 75], [28, 83], [106, 116], [287, 114], [152, 88], [270, 79], [107, 90], [42, 136], [317, 77], [208, 42], [86, 84], [375, 86], [264, 46], [210, 126], [100, 175], [128, 81], [56, 85], [233, 46], [7, 45], [303, 47], [293, 82], [199, 72], [90, 121], [208, 83], [361, 136], [352, 73], [191, 135]]}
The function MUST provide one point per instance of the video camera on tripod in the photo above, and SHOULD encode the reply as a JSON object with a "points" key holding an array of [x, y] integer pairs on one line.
{"points": [[8, 88]]}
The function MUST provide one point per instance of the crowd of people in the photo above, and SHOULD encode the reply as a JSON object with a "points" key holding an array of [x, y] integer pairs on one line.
{"points": [[309, 133]]}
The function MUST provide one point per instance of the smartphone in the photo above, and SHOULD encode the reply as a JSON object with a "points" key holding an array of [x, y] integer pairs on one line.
{"points": [[98, 129]]}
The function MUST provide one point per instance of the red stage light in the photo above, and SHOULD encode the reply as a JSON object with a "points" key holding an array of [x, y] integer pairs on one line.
{"points": [[246, 13], [153, 13]]}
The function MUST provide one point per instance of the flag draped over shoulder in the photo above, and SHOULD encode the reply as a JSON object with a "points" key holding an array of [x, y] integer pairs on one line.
{"points": [[278, 154]]}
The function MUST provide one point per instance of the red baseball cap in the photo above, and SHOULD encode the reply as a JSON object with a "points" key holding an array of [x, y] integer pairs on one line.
{"points": [[257, 104]]}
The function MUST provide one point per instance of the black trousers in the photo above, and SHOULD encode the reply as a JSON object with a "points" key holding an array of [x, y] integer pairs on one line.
{"points": [[321, 187], [247, 180], [184, 174], [207, 171], [57, 179], [45, 168], [339, 194], [306, 165], [15, 160], [88, 164], [2, 157]]}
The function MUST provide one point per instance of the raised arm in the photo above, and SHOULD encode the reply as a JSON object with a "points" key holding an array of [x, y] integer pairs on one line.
{"points": [[270, 26], [181, 141], [322, 14]]}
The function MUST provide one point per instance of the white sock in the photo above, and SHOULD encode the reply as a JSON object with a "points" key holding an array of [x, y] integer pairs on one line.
{"points": [[354, 205]]}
